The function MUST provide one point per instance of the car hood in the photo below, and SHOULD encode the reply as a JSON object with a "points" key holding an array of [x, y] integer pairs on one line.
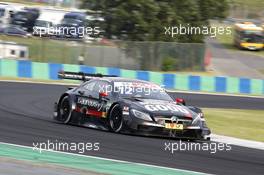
{"points": [[158, 108]]}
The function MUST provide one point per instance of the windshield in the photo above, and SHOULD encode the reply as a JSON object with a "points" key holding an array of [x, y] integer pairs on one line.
{"points": [[41, 23], [70, 21], [20, 15], [140, 90], [2, 12], [251, 36]]}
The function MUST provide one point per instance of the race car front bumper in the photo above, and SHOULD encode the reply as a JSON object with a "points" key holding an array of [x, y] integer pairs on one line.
{"points": [[139, 126], [188, 132]]}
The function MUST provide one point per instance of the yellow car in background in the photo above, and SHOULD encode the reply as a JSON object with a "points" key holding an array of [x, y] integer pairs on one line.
{"points": [[248, 36]]}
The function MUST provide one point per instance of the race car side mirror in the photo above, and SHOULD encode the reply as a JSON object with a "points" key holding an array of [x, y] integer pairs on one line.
{"points": [[180, 101], [103, 96]]}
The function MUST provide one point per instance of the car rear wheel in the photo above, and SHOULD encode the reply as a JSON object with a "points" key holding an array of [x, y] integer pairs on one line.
{"points": [[64, 111], [116, 119]]}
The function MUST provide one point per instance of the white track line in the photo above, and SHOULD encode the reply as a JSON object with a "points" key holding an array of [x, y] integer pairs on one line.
{"points": [[237, 141]]}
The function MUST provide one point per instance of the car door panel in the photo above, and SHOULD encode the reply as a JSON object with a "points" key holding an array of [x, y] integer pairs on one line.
{"points": [[88, 100]]}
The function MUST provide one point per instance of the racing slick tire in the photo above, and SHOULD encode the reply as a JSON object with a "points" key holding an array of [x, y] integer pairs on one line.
{"points": [[64, 110], [115, 119]]}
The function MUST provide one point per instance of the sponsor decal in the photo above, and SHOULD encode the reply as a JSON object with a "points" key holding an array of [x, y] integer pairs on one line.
{"points": [[96, 113], [125, 110], [125, 113], [90, 103], [93, 107], [167, 107]]}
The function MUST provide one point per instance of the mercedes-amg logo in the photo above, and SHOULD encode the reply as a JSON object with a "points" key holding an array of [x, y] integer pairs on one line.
{"points": [[174, 119]]}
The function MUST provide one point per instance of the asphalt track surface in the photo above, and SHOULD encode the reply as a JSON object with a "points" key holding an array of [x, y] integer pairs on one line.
{"points": [[26, 117]]}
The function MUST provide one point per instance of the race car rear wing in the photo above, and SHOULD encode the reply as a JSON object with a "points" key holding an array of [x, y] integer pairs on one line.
{"points": [[80, 76]]}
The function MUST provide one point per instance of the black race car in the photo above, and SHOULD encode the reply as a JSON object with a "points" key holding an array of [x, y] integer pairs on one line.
{"points": [[128, 105]]}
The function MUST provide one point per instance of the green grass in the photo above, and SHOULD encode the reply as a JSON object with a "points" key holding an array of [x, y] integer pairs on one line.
{"points": [[262, 71], [27, 2], [245, 124], [252, 9], [251, 5], [47, 50], [24, 2], [62, 81]]}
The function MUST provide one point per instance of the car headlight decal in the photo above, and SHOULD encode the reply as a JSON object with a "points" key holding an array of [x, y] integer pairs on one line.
{"points": [[125, 110], [197, 119], [201, 115], [141, 115]]}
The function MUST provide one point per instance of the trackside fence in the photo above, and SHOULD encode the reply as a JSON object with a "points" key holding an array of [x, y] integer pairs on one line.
{"points": [[48, 71]]}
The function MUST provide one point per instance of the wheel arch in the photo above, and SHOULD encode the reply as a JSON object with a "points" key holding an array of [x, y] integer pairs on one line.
{"points": [[111, 107], [61, 97], [69, 99], [71, 96]]}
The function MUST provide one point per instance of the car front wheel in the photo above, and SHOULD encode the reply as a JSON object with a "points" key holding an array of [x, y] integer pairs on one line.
{"points": [[115, 119]]}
